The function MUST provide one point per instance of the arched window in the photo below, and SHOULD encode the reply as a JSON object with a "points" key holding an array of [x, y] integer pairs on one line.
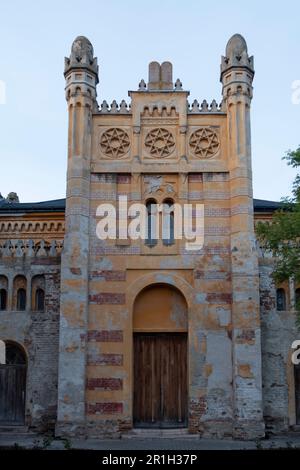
{"points": [[3, 292], [39, 300], [168, 223], [152, 235], [21, 299], [280, 299], [19, 293], [38, 293], [297, 298], [3, 299]]}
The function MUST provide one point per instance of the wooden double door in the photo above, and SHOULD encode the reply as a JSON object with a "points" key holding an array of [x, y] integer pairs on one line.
{"points": [[12, 393], [160, 380]]}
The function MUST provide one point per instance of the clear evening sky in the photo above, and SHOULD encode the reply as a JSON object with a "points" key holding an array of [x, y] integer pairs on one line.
{"points": [[127, 35]]}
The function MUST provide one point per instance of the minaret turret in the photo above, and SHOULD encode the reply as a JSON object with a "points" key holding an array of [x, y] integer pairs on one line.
{"points": [[81, 74], [237, 74]]}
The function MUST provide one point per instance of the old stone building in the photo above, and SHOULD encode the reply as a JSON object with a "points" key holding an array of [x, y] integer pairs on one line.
{"points": [[102, 336]]}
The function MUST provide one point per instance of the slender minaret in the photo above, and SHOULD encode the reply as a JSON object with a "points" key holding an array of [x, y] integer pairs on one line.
{"points": [[81, 74], [237, 74]]}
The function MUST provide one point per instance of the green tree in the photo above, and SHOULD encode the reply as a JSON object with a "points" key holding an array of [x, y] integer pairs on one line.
{"points": [[282, 236]]}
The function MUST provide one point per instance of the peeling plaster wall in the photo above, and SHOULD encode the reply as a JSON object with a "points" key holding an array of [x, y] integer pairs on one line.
{"points": [[38, 333]]}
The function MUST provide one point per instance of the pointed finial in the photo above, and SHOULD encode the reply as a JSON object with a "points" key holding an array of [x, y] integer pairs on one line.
{"points": [[214, 106], [114, 107], [178, 85], [142, 85], [195, 107], [104, 107], [204, 106], [123, 107]]}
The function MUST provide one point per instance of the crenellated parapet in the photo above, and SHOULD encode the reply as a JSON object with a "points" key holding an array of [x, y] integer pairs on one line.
{"points": [[13, 248], [204, 108], [115, 108]]}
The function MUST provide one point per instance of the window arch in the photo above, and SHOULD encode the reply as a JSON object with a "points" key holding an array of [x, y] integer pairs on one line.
{"points": [[151, 232], [38, 293], [3, 292], [20, 293], [168, 222], [280, 299]]}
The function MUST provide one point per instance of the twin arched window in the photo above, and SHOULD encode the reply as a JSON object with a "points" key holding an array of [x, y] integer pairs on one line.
{"points": [[153, 222]]}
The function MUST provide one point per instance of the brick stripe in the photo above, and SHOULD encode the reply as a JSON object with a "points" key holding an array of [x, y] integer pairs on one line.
{"points": [[199, 274], [195, 177], [105, 359], [105, 336], [104, 177], [108, 298], [108, 275], [104, 408], [221, 298], [124, 179], [103, 383], [215, 177]]}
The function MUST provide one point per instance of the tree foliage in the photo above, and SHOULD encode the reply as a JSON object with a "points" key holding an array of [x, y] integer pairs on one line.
{"points": [[282, 235]]}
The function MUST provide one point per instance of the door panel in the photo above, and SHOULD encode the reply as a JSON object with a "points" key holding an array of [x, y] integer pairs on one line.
{"points": [[12, 394], [160, 379]]}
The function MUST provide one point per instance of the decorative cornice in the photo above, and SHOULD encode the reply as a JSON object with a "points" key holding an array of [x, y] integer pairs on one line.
{"points": [[13, 248]]}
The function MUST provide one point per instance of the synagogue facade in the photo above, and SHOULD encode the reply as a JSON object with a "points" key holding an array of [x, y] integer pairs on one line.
{"points": [[101, 336]]}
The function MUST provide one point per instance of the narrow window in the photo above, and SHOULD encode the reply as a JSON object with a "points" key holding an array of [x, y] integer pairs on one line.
{"points": [[21, 299], [168, 223], [151, 239], [280, 299], [39, 300], [3, 299]]}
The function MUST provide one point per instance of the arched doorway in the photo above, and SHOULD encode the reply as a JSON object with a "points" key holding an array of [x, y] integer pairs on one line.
{"points": [[160, 324], [12, 383]]}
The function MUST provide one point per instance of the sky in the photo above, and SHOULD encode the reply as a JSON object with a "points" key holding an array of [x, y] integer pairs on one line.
{"points": [[127, 35]]}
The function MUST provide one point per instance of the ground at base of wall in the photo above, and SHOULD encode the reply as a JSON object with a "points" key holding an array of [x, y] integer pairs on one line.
{"points": [[31, 441]]}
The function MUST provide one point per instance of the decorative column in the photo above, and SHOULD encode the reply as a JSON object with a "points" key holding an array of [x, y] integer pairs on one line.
{"points": [[236, 76], [81, 74]]}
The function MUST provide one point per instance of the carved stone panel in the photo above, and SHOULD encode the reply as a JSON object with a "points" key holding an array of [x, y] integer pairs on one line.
{"points": [[160, 143], [204, 142], [114, 142]]}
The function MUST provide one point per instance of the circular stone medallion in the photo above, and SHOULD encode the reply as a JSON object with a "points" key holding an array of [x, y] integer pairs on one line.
{"points": [[160, 143], [114, 142], [204, 142]]}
